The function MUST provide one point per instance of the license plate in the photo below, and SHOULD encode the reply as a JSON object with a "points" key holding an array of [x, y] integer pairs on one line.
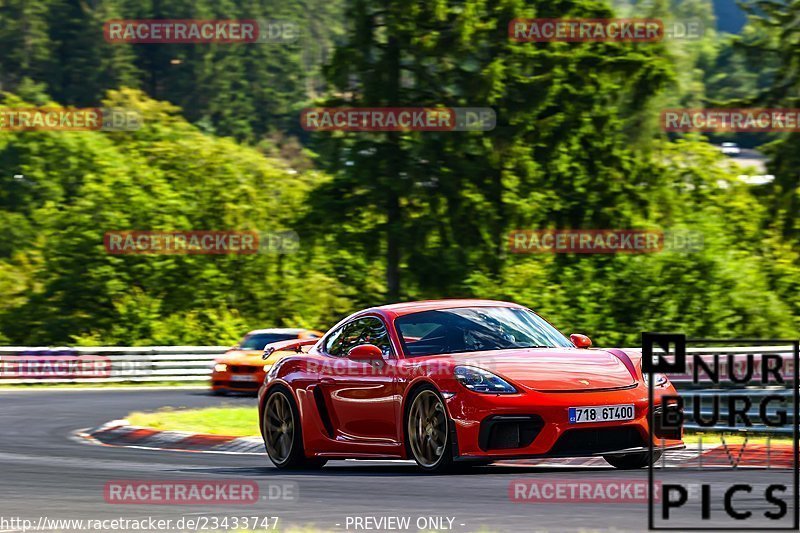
{"points": [[243, 377], [601, 413]]}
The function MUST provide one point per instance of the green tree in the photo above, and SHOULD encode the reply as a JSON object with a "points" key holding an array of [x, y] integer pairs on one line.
{"points": [[775, 41], [441, 202], [63, 285]]}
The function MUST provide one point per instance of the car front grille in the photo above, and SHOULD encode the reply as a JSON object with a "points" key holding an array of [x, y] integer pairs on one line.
{"points": [[239, 385], [597, 440], [242, 369]]}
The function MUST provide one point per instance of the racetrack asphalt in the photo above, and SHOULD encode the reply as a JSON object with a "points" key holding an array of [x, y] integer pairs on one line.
{"points": [[47, 472]]}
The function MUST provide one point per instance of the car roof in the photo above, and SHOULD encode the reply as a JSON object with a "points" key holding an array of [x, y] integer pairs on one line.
{"points": [[282, 331], [405, 308]]}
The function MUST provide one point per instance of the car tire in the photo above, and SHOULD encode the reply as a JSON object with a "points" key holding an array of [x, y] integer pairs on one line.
{"points": [[632, 461], [283, 438], [427, 431]]}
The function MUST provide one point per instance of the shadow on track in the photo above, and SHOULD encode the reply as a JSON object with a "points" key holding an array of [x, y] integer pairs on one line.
{"points": [[352, 468]]}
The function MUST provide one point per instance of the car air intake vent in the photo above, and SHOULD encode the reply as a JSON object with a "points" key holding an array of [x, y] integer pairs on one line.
{"points": [[589, 441], [508, 432], [671, 431]]}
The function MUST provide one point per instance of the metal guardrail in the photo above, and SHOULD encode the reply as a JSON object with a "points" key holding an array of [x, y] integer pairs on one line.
{"points": [[755, 395], [36, 365]]}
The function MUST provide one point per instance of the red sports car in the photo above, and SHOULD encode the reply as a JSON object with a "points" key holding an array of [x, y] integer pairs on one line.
{"points": [[456, 382]]}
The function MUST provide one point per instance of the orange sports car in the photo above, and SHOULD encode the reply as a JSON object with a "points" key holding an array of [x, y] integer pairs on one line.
{"points": [[241, 369]]}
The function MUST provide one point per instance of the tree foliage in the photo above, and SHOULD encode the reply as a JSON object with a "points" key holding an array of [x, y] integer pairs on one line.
{"points": [[386, 216]]}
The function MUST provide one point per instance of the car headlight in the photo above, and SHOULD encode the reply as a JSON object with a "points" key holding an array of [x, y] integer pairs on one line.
{"points": [[220, 367], [480, 380], [661, 380], [272, 371]]}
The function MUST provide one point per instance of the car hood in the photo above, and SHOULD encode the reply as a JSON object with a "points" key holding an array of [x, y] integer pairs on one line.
{"points": [[242, 357], [556, 369]]}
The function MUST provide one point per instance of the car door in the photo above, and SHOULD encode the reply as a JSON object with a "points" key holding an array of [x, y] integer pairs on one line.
{"points": [[361, 396]]}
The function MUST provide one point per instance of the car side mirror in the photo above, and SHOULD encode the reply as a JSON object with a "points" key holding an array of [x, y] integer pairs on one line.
{"points": [[580, 341], [366, 353]]}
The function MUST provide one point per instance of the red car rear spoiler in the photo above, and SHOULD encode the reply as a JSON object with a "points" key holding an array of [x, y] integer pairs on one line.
{"points": [[290, 345]]}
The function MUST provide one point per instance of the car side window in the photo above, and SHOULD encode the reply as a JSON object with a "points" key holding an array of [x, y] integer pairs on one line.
{"points": [[333, 344], [373, 331], [367, 330]]}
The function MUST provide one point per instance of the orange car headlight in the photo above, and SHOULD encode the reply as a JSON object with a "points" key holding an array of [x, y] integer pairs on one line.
{"points": [[220, 367]]}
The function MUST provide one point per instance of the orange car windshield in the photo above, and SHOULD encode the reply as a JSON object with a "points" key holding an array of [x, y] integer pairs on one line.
{"points": [[259, 340]]}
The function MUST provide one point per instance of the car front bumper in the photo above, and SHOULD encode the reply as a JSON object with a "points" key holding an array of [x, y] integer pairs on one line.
{"points": [[536, 424], [241, 379]]}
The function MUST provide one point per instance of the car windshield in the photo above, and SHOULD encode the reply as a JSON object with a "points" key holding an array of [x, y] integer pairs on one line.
{"points": [[257, 341], [475, 329]]}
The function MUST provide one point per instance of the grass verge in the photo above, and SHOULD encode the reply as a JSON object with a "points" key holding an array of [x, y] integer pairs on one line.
{"points": [[230, 421], [713, 439]]}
